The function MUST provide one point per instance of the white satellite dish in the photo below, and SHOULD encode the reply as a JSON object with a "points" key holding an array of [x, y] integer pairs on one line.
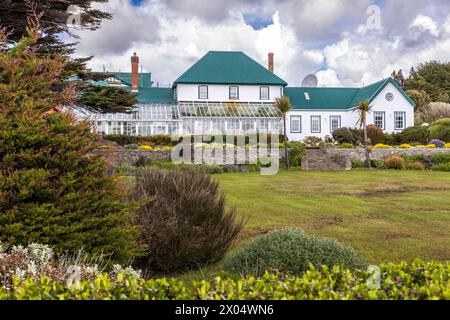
{"points": [[310, 81]]}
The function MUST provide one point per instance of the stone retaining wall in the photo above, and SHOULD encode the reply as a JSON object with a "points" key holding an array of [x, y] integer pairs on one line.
{"points": [[380, 154]]}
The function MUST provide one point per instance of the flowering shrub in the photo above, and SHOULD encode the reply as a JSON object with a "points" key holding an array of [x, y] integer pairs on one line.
{"points": [[431, 146], [402, 281], [313, 142], [36, 261], [405, 146], [447, 146], [438, 143], [145, 147], [382, 146]]}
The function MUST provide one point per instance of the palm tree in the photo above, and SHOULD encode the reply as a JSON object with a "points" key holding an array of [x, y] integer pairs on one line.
{"points": [[283, 104], [363, 109]]}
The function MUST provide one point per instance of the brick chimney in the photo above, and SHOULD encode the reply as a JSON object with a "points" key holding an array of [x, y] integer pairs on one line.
{"points": [[271, 62], [134, 73]]}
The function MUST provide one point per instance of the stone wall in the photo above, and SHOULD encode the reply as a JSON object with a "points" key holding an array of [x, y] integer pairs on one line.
{"points": [[380, 154], [322, 160], [341, 159], [114, 156]]}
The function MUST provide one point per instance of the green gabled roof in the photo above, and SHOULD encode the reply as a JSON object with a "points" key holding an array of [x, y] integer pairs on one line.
{"points": [[338, 98], [229, 67], [145, 79], [156, 95]]}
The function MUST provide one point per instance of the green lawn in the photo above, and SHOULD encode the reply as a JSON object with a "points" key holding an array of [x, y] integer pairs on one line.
{"points": [[384, 215]]}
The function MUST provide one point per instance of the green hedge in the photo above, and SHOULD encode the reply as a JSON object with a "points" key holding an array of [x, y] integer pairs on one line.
{"points": [[416, 280]]}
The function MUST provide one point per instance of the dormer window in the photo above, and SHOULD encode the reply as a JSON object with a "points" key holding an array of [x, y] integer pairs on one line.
{"points": [[264, 93], [203, 92], [234, 93]]}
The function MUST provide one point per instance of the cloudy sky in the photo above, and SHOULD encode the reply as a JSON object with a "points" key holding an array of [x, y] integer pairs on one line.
{"points": [[343, 42]]}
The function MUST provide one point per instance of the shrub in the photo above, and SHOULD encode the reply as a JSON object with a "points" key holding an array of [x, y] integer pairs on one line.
{"points": [[357, 164], [405, 146], [296, 153], [290, 251], [416, 165], [440, 129], [447, 146], [145, 147], [53, 189], [211, 169], [184, 219], [313, 142], [431, 146], [346, 146], [400, 281], [416, 134], [441, 167], [438, 143], [392, 139], [441, 158], [375, 134], [343, 135], [382, 146], [436, 111], [394, 162]]}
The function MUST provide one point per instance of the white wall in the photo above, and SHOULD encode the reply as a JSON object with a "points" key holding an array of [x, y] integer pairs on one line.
{"points": [[247, 93], [349, 118]]}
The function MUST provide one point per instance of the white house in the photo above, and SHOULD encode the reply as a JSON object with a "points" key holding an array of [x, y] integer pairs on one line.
{"points": [[230, 93]]}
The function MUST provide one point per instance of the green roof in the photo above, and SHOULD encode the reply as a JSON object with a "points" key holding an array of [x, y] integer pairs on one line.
{"points": [[337, 98], [156, 95], [145, 79], [229, 67]]}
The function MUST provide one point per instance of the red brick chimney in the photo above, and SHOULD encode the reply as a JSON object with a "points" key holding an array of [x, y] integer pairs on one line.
{"points": [[271, 62], [134, 73]]}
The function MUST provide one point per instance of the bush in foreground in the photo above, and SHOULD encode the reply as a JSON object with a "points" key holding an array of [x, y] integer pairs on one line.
{"points": [[290, 251], [416, 280], [184, 219], [394, 162]]}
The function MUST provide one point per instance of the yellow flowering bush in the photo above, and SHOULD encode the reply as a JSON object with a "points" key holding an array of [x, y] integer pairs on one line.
{"points": [[405, 146], [447, 145], [381, 146], [431, 146], [145, 147]]}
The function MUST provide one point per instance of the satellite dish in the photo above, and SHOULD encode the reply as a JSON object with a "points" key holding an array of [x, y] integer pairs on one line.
{"points": [[310, 81]]}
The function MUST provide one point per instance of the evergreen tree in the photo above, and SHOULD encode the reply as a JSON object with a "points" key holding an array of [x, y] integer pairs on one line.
{"points": [[52, 189], [54, 16]]}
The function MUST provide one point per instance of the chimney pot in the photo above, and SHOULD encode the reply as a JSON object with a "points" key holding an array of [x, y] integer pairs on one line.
{"points": [[271, 62]]}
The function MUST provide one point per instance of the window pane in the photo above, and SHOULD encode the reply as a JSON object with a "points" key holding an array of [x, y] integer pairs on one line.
{"points": [[399, 120], [234, 92], [379, 119], [264, 93], [296, 124], [335, 123], [315, 124], [203, 92]]}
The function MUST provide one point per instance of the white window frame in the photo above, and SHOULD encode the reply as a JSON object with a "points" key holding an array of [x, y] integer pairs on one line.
{"points": [[201, 94], [339, 123], [380, 113], [396, 113], [233, 97], [297, 119], [319, 130], [264, 97]]}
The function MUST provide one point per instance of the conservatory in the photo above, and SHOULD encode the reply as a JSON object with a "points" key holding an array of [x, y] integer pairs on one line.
{"points": [[186, 118]]}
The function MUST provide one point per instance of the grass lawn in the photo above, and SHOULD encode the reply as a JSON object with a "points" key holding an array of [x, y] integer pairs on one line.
{"points": [[384, 215]]}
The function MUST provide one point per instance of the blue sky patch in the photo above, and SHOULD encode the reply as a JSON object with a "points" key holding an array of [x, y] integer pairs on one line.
{"points": [[257, 22]]}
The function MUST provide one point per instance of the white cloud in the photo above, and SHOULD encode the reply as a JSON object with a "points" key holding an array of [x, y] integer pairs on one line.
{"points": [[170, 36], [424, 23]]}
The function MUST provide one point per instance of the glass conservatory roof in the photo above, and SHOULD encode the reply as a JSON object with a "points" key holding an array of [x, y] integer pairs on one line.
{"points": [[227, 110]]}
